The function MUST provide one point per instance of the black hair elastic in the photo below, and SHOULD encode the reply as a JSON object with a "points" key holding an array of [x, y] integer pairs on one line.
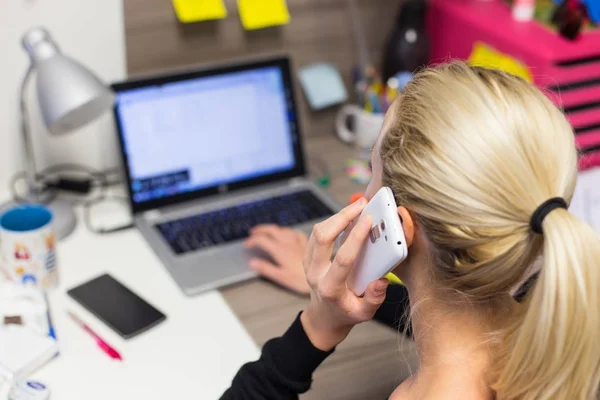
{"points": [[544, 209]]}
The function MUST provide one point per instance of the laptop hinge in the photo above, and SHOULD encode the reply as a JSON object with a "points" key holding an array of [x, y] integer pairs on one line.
{"points": [[151, 215], [297, 179]]}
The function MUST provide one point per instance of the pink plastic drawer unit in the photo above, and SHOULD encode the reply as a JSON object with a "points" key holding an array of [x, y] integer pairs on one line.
{"points": [[568, 71]]}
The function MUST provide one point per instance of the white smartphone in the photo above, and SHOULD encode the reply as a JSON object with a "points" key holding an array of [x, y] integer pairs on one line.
{"points": [[384, 248]]}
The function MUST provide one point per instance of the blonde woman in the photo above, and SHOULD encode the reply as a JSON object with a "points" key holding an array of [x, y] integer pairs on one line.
{"points": [[483, 167]]}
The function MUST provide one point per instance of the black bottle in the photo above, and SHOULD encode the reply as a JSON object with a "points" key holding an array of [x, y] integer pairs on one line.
{"points": [[407, 47]]}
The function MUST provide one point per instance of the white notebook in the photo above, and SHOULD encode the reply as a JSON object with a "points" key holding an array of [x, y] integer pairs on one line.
{"points": [[23, 351]]}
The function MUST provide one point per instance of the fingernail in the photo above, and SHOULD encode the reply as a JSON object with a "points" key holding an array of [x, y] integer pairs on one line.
{"points": [[362, 201], [381, 287]]}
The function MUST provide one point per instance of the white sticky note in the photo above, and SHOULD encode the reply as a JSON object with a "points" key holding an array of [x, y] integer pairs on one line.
{"points": [[322, 85]]}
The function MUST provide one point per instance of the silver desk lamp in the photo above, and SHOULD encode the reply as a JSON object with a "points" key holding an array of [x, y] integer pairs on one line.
{"points": [[69, 96]]}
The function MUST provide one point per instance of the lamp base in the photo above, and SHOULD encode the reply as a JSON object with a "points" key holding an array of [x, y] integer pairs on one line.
{"points": [[64, 219]]}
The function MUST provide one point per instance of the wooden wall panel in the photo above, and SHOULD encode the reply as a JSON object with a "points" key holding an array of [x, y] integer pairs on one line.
{"points": [[320, 30]]}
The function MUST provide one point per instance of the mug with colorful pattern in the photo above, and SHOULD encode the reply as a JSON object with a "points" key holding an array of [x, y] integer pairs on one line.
{"points": [[27, 246]]}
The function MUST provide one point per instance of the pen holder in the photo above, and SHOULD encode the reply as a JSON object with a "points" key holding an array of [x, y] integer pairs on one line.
{"points": [[358, 127]]}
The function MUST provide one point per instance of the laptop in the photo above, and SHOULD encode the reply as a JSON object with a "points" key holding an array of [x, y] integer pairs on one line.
{"points": [[208, 155]]}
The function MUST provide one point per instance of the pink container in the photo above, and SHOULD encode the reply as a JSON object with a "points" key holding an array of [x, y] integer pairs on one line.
{"points": [[569, 71]]}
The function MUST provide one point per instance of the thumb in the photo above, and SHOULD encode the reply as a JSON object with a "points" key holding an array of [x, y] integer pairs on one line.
{"points": [[375, 294]]}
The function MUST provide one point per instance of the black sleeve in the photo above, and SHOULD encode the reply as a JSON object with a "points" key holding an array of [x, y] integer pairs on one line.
{"points": [[283, 371]]}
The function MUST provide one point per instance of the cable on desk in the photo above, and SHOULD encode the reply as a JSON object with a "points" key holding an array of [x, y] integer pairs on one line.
{"points": [[103, 197], [14, 191], [76, 178], [87, 211], [71, 177]]}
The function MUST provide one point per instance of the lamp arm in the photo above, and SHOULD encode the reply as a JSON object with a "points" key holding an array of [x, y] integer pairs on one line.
{"points": [[30, 167]]}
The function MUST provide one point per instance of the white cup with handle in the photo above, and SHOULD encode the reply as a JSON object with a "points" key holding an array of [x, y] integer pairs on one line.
{"points": [[365, 128]]}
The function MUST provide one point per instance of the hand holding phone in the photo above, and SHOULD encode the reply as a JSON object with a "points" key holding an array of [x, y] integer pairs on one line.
{"points": [[386, 245], [333, 309]]}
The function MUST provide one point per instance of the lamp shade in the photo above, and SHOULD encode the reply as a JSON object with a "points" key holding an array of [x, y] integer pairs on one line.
{"points": [[69, 94]]}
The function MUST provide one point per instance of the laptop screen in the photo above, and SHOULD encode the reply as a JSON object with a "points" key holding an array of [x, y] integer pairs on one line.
{"points": [[181, 136]]}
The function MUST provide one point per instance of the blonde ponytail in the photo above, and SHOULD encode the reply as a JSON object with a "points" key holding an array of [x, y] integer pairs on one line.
{"points": [[553, 352], [473, 153]]}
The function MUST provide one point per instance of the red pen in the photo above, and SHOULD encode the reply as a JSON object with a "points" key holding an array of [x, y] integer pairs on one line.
{"points": [[105, 347]]}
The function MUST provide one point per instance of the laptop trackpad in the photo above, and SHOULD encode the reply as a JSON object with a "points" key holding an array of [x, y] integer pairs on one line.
{"points": [[258, 253]]}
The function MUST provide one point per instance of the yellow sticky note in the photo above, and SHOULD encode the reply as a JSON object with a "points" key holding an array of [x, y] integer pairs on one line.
{"points": [[199, 10], [485, 56], [258, 14]]}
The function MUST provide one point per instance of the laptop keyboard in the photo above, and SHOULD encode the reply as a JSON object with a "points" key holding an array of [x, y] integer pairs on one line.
{"points": [[225, 225]]}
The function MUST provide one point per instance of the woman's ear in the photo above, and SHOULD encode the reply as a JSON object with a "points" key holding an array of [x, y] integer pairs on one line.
{"points": [[408, 225]]}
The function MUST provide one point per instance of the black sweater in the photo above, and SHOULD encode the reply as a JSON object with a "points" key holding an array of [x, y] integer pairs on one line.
{"points": [[286, 364]]}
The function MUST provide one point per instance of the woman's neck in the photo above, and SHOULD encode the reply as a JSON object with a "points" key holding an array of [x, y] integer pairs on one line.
{"points": [[452, 336], [446, 331]]}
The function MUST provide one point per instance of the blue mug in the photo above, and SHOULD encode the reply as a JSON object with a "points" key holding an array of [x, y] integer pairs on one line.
{"points": [[28, 246]]}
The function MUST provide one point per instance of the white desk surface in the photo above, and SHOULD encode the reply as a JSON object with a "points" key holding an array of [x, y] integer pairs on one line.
{"points": [[194, 353]]}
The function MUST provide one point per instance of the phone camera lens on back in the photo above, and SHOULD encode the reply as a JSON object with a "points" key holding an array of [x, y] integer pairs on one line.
{"points": [[375, 234], [382, 224], [399, 243]]}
